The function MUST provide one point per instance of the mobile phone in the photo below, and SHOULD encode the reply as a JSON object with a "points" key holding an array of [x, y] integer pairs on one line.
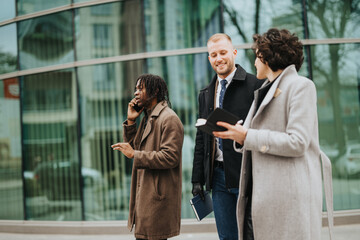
{"points": [[137, 108]]}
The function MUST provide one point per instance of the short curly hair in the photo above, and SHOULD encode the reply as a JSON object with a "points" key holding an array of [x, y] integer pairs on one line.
{"points": [[155, 87], [279, 49]]}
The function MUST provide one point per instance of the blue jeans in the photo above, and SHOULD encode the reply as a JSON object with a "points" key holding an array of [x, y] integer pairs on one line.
{"points": [[224, 204]]}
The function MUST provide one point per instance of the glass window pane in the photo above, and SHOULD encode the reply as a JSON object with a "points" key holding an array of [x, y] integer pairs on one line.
{"points": [[104, 94], [7, 10], [242, 20], [11, 184], [8, 48], [31, 6], [108, 30], [337, 78], [46, 40], [51, 149], [123, 27], [180, 24], [79, 1], [333, 19]]}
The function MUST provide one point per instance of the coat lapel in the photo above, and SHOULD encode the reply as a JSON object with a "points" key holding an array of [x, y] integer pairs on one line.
{"points": [[155, 113], [269, 96], [275, 90], [147, 130], [250, 115]]}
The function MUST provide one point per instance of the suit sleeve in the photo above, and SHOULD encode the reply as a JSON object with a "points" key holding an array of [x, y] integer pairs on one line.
{"points": [[302, 119], [169, 154], [198, 163]]}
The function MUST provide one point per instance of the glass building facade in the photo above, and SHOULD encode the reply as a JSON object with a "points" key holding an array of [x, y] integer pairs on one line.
{"points": [[68, 70]]}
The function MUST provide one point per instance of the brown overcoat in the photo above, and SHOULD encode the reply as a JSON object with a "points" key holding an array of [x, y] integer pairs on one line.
{"points": [[155, 195]]}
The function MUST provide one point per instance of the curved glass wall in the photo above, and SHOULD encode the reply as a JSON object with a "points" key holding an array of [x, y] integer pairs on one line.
{"points": [[68, 73]]}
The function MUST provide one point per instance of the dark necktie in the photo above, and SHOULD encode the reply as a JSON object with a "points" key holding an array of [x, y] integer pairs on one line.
{"points": [[221, 98]]}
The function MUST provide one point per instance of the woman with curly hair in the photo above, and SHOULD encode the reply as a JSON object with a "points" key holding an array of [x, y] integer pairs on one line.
{"points": [[280, 192]]}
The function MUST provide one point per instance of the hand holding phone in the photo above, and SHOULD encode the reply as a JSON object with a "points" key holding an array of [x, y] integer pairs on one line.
{"points": [[137, 108]]}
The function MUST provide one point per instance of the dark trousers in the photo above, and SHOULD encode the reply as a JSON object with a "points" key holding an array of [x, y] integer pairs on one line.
{"points": [[248, 226], [224, 203]]}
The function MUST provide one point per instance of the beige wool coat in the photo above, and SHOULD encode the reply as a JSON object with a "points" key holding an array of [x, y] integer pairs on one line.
{"points": [[282, 139], [155, 195]]}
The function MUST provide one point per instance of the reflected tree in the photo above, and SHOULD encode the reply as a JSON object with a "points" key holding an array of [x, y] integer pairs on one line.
{"points": [[333, 19], [236, 19], [7, 62]]}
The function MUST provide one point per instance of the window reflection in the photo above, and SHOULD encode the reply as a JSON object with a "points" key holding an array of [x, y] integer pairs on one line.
{"points": [[104, 100], [102, 35], [337, 79], [333, 19], [108, 30], [11, 186], [79, 1], [51, 150], [31, 6], [124, 28], [241, 21], [46, 40], [8, 48], [48, 92], [7, 10], [102, 10], [179, 24]]}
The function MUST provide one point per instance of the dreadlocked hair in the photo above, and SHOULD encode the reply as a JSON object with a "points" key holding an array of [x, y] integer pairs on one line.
{"points": [[155, 87]]}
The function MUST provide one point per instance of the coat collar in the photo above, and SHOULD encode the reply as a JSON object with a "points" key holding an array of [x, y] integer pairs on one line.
{"points": [[240, 74], [155, 113], [274, 91]]}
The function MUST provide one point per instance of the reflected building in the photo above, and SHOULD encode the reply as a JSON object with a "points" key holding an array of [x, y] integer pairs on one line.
{"points": [[68, 70]]}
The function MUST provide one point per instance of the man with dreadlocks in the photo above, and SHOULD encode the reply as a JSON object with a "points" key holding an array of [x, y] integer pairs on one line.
{"points": [[155, 146]]}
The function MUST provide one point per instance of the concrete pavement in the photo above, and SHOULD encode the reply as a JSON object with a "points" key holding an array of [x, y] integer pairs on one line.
{"points": [[341, 232]]}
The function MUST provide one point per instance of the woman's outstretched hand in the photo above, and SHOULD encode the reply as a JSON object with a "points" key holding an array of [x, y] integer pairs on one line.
{"points": [[235, 132]]}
